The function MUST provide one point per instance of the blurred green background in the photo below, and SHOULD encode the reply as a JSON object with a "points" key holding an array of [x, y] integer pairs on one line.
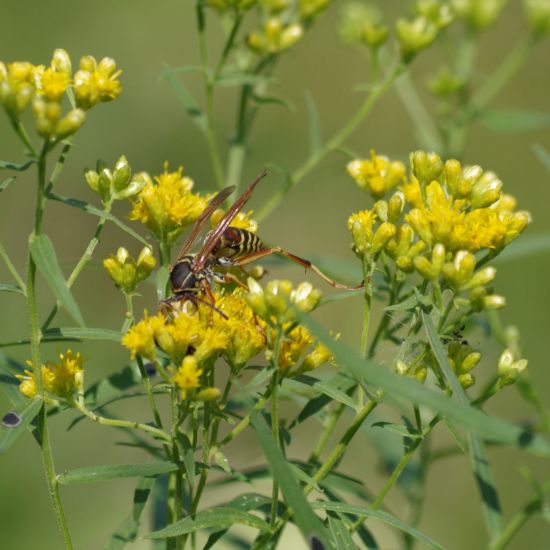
{"points": [[149, 126]]}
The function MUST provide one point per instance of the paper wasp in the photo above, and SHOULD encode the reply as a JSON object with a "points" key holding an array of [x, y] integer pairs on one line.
{"points": [[224, 247]]}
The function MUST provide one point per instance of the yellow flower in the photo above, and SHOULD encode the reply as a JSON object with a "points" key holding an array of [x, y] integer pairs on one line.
{"points": [[166, 206], [245, 331], [96, 82], [126, 272], [242, 220], [319, 356], [377, 175], [293, 346], [187, 376], [140, 339], [59, 379]]}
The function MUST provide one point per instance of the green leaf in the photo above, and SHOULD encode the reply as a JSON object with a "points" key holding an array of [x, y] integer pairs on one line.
{"points": [[340, 534], [384, 517], [82, 205], [529, 245], [26, 410], [398, 429], [220, 517], [188, 456], [406, 390], [238, 78], [273, 100], [315, 137], [43, 254], [302, 382], [406, 305], [116, 471], [5, 165], [478, 456], [543, 155], [10, 384], [4, 287], [85, 333], [128, 530], [5, 183], [504, 121], [246, 502], [186, 99], [161, 281], [308, 523]]}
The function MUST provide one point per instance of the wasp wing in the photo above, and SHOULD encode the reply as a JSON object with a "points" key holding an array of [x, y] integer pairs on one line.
{"points": [[213, 203], [214, 237]]}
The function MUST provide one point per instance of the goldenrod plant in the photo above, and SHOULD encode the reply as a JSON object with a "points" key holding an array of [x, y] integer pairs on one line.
{"points": [[218, 354]]}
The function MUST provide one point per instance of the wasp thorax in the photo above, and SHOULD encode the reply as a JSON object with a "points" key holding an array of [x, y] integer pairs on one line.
{"points": [[182, 276]]}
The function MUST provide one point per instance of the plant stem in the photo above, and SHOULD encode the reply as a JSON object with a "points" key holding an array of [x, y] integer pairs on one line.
{"points": [[35, 337], [276, 437], [368, 267], [151, 430], [23, 136], [333, 143]]}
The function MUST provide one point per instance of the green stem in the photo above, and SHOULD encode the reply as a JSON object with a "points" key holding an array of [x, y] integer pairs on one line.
{"points": [[129, 321], [151, 430], [368, 269], [334, 143], [35, 336], [534, 506], [276, 437], [12, 269], [23, 136]]}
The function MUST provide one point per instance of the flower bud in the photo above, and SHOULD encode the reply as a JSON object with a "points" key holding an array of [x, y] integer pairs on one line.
{"points": [[414, 36], [127, 273], [121, 175], [381, 209], [145, 264], [256, 298], [538, 16], [486, 190], [466, 380], [509, 369], [61, 61], [482, 277], [479, 14], [70, 123], [427, 167], [305, 297], [381, 237], [396, 204], [311, 8], [209, 394]]}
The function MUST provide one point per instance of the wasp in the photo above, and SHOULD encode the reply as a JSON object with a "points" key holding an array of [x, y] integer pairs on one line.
{"points": [[224, 247]]}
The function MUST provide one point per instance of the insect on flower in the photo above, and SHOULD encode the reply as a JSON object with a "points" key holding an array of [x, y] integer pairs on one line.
{"points": [[224, 247]]}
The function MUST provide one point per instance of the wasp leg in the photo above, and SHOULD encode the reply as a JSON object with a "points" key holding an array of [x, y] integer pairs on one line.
{"points": [[211, 302], [253, 256], [230, 278]]}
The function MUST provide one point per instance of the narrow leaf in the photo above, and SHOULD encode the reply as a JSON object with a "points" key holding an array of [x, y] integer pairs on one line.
{"points": [[87, 333], [5, 287], [478, 456], [82, 205], [398, 429], [505, 121], [10, 384], [308, 523], [305, 382], [5, 165], [115, 471], [408, 390], [128, 530], [530, 245], [315, 138], [381, 516], [25, 412], [43, 254], [221, 517], [340, 534], [186, 99], [543, 155], [4, 184]]}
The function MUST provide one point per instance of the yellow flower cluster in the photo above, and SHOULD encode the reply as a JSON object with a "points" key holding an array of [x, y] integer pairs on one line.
{"points": [[60, 380], [437, 219], [23, 84], [166, 204], [126, 272]]}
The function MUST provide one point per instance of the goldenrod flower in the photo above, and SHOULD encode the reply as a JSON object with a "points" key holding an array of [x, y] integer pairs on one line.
{"points": [[96, 82], [140, 339], [275, 36], [366, 240], [242, 220], [319, 356], [415, 35], [187, 376], [361, 24], [377, 175], [17, 86], [463, 359], [293, 346], [311, 8], [58, 379], [167, 205]]}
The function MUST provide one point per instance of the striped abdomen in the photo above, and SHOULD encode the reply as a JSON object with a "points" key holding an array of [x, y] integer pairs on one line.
{"points": [[236, 242]]}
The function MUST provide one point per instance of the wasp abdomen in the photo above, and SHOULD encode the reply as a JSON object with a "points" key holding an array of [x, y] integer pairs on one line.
{"points": [[236, 242]]}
